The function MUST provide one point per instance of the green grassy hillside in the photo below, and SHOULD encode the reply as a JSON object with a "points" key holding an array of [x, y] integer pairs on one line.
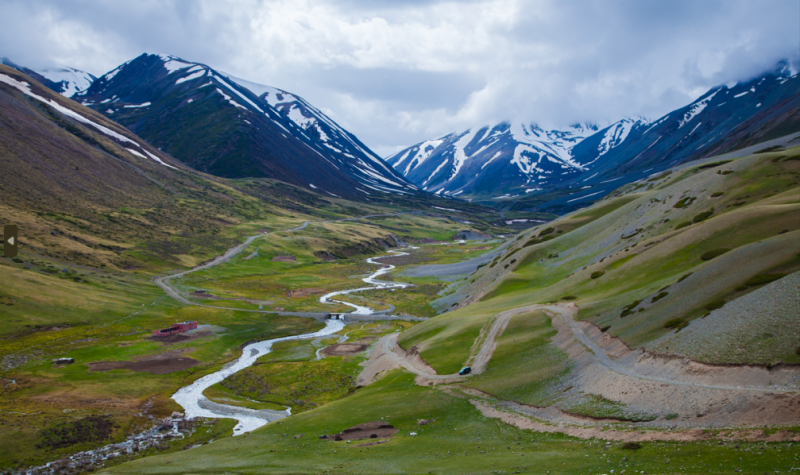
{"points": [[648, 261]]}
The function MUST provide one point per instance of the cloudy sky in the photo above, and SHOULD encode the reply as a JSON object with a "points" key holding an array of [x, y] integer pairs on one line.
{"points": [[396, 72]]}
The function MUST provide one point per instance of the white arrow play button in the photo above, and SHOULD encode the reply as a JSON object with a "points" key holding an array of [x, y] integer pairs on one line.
{"points": [[11, 240]]}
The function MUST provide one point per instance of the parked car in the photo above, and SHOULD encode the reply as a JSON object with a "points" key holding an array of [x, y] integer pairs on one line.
{"points": [[465, 370]]}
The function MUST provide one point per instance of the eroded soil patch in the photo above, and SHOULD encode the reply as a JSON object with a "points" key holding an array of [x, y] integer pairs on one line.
{"points": [[180, 337], [300, 293], [367, 430], [161, 363], [345, 349]]}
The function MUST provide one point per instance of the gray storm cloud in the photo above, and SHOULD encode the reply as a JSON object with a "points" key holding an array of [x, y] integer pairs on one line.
{"points": [[398, 72]]}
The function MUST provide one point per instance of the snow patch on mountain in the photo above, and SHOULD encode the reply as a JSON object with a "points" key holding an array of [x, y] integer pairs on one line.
{"points": [[190, 77], [230, 100], [615, 135], [423, 152], [296, 115], [491, 160], [459, 156], [173, 64], [72, 80], [235, 91], [695, 109], [24, 87], [158, 159]]}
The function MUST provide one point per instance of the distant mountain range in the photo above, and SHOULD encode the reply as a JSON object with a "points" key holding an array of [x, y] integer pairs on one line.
{"points": [[503, 158], [63, 80], [513, 160], [233, 128]]}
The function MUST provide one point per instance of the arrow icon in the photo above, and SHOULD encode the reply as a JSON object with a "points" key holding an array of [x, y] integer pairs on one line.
{"points": [[10, 236]]}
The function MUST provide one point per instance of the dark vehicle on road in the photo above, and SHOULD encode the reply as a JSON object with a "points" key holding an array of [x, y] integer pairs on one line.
{"points": [[465, 370]]}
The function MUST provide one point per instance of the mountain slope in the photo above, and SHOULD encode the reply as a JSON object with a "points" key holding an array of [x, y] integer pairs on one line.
{"points": [[505, 163], [703, 264], [65, 81], [232, 128], [85, 190], [493, 160], [723, 119]]}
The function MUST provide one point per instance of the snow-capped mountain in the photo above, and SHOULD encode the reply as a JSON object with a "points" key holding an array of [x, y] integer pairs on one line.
{"points": [[504, 159], [65, 81], [234, 128], [723, 119], [513, 160]]}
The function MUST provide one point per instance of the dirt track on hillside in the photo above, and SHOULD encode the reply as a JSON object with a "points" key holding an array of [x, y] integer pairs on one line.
{"points": [[604, 433], [389, 355], [164, 281], [634, 364], [693, 394], [696, 394]]}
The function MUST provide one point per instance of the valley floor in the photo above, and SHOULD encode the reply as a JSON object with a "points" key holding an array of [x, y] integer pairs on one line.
{"points": [[576, 332]]}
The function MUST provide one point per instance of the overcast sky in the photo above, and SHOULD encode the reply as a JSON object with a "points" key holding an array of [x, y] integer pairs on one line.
{"points": [[396, 72]]}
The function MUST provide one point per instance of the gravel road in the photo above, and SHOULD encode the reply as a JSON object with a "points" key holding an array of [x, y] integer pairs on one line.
{"points": [[164, 281], [567, 314]]}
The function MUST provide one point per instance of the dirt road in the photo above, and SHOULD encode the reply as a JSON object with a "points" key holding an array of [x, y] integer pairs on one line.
{"points": [[567, 314], [568, 318], [479, 361], [164, 281]]}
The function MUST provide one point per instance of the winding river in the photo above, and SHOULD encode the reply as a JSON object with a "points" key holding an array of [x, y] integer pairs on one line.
{"points": [[195, 404], [374, 284]]}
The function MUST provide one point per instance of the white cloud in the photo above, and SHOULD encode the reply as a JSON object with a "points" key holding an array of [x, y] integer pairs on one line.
{"points": [[401, 71]]}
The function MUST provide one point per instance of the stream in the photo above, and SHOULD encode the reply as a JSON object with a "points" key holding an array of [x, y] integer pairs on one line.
{"points": [[195, 404], [375, 284]]}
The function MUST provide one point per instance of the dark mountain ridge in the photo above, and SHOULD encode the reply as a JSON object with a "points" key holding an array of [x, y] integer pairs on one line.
{"points": [[213, 123]]}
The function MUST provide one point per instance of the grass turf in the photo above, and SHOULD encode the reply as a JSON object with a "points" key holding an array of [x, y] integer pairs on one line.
{"points": [[460, 440]]}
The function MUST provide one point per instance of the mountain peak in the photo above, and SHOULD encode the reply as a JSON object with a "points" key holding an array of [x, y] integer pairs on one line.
{"points": [[231, 127], [64, 80]]}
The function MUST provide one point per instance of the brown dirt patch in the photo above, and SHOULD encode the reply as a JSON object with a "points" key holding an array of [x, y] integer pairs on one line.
{"points": [[161, 363], [325, 256], [367, 430], [284, 258], [300, 293], [345, 349], [180, 337], [378, 363], [204, 296], [165, 366], [404, 260], [60, 399]]}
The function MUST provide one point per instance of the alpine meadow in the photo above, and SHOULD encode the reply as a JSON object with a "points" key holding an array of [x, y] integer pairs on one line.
{"points": [[485, 237]]}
